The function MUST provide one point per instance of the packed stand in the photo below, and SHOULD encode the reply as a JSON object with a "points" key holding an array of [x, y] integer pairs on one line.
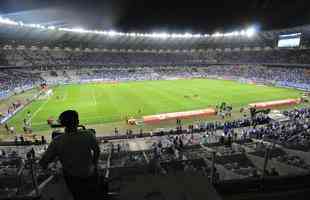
{"points": [[16, 81], [59, 57], [294, 133]]}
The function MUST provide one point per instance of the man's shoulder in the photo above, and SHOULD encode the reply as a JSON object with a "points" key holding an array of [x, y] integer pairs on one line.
{"points": [[86, 133]]}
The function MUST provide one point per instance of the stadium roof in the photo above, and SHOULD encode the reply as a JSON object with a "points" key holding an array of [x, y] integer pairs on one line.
{"points": [[249, 32], [35, 34], [160, 15]]}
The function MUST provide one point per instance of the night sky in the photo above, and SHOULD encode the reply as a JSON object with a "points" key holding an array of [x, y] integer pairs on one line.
{"points": [[159, 15]]}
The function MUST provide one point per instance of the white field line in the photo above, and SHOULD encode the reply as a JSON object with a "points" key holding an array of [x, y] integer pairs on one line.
{"points": [[65, 96], [38, 110], [94, 97]]}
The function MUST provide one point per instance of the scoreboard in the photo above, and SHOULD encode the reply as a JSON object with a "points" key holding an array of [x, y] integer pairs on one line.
{"points": [[289, 40]]}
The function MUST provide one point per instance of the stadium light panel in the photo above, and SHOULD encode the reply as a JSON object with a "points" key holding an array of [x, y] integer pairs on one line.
{"points": [[96, 32], [217, 34], [112, 33], [31, 25], [7, 21], [250, 32], [76, 30], [236, 33], [197, 35], [187, 35], [173, 35], [161, 35], [228, 34], [51, 27]]}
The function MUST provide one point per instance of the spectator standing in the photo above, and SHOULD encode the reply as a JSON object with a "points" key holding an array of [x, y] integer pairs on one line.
{"points": [[6, 126], [78, 153]]}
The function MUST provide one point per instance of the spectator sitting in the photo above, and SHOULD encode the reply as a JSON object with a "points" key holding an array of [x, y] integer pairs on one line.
{"points": [[255, 174], [43, 141], [273, 172], [78, 153]]}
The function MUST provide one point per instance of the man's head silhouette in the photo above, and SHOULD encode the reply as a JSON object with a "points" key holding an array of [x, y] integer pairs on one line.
{"points": [[78, 152], [69, 119]]}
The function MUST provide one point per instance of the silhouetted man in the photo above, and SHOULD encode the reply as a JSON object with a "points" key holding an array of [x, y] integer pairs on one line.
{"points": [[78, 153]]}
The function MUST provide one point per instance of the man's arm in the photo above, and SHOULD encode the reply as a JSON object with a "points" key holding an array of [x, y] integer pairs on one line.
{"points": [[96, 150], [49, 155]]}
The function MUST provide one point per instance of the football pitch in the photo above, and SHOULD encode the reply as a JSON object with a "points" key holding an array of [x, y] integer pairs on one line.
{"points": [[99, 103]]}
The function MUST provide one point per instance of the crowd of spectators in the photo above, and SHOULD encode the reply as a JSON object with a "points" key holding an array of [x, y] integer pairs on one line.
{"points": [[19, 80], [276, 56], [176, 153], [72, 65], [283, 76], [61, 57], [32, 58], [14, 81], [294, 133], [232, 124]]}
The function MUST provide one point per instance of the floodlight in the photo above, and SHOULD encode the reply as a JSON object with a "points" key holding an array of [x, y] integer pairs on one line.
{"points": [[250, 31], [196, 35], [236, 33], [7, 21], [112, 33], [51, 27], [187, 35], [217, 34], [41, 26], [162, 35], [173, 35], [77, 30]]}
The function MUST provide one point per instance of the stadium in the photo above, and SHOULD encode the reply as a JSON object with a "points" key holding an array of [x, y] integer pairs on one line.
{"points": [[226, 113], [105, 86]]}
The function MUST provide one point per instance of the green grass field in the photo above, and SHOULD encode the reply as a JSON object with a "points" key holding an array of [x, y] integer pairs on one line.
{"points": [[101, 103]]}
